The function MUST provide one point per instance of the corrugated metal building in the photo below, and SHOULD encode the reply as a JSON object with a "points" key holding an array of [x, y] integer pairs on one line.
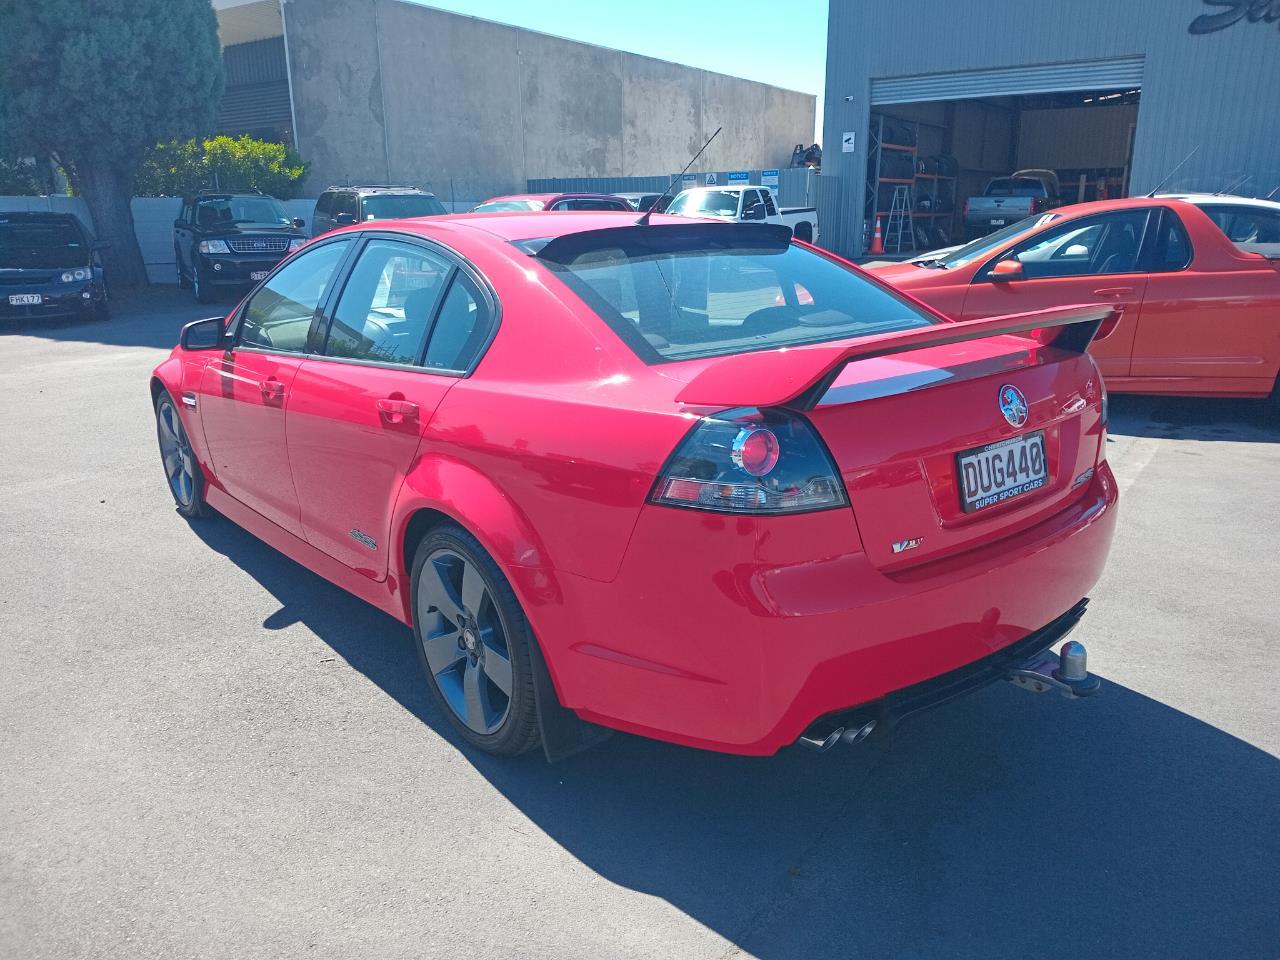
{"points": [[1111, 95], [386, 91]]}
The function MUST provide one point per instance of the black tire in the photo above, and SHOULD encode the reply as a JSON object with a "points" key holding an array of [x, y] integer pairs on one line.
{"points": [[188, 496], [203, 292], [516, 732], [102, 311]]}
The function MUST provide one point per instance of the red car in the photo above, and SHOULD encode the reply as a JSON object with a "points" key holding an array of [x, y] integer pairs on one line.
{"points": [[526, 202], [610, 481], [1197, 277]]}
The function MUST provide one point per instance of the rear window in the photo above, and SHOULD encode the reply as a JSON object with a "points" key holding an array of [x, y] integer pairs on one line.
{"points": [[677, 292], [386, 206], [507, 206], [1016, 187]]}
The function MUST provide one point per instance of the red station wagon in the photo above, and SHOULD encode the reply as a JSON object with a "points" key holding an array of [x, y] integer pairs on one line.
{"points": [[690, 480]]}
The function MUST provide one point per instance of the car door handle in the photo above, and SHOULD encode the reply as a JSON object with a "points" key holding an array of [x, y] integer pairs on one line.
{"points": [[272, 389], [397, 410], [1114, 293]]}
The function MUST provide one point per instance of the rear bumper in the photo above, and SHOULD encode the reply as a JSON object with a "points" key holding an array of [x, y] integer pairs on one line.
{"points": [[736, 635]]}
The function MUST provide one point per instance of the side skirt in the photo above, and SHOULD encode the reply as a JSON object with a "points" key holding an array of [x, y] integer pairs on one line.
{"points": [[385, 596]]}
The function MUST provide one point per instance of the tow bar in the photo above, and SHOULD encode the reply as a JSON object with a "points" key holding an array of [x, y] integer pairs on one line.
{"points": [[1067, 672], [1030, 663]]}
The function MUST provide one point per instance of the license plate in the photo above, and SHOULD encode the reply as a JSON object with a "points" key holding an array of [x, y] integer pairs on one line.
{"points": [[998, 223], [259, 274], [1000, 471], [24, 299]]}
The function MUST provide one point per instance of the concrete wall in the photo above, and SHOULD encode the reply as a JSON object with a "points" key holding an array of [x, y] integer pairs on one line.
{"points": [[1215, 90], [385, 90]]}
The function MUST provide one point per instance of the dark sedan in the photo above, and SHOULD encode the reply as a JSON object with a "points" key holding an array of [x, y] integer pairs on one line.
{"points": [[49, 268]]}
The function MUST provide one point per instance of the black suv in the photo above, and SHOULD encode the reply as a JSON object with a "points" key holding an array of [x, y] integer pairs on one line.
{"points": [[231, 240], [342, 206], [49, 267]]}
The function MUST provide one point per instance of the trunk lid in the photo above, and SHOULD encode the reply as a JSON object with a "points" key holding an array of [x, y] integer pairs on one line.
{"points": [[896, 410], [897, 426]]}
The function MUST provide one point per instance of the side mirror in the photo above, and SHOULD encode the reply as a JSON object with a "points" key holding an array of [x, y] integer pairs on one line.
{"points": [[345, 219], [299, 223], [1007, 270], [207, 334]]}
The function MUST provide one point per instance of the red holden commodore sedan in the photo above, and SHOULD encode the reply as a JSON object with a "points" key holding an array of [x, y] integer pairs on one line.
{"points": [[690, 480]]}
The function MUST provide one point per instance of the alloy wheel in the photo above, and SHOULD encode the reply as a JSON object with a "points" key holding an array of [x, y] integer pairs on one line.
{"points": [[175, 453], [465, 641]]}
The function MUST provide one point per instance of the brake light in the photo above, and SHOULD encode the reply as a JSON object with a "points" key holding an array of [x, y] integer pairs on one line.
{"points": [[1038, 204], [966, 207], [748, 461]]}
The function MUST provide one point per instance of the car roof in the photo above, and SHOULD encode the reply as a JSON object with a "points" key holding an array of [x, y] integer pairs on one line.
{"points": [[230, 194], [377, 188], [548, 197], [1200, 199], [8, 215]]}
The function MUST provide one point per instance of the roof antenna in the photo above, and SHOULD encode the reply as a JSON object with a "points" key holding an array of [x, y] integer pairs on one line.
{"points": [[644, 217], [1169, 176], [1237, 182]]}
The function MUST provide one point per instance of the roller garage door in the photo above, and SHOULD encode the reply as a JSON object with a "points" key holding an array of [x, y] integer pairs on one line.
{"points": [[1009, 81]]}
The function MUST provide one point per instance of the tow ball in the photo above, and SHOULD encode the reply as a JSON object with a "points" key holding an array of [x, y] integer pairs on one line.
{"points": [[1066, 671]]}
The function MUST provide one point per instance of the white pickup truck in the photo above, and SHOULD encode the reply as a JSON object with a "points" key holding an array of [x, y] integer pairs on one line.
{"points": [[746, 204]]}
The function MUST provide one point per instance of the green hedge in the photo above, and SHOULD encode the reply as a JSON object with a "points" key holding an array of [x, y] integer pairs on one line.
{"points": [[221, 163]]}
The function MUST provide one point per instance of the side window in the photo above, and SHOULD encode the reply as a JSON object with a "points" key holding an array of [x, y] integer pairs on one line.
{"points": [[1171, 249], [1091, 246], [387, 304], [324, 205], [769, 206], [278, 316], [461, 329], [1244, 224], [185, 214], [347, 203]]}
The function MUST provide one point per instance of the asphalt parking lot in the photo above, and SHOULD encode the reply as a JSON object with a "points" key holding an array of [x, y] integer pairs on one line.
{"points": [[207, 751]]}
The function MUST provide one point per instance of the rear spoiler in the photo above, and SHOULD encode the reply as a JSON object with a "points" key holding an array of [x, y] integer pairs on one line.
{"points": [[799, 376]]}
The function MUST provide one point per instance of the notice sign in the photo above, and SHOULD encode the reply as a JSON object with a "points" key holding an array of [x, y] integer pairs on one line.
{"points": [[847, 142], [769, 178], [688, 181], [740, 177]]}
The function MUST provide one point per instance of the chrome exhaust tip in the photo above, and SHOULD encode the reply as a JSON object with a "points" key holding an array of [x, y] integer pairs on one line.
{"points": [[856, 734], [819, 742]]}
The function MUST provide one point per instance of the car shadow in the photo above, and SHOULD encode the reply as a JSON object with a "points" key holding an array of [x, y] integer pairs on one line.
{"points": [[1004, 825], [149, 317], [1195, 418]]}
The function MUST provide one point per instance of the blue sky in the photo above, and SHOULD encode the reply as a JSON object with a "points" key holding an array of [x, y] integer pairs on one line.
{"points": [[782, 42]]}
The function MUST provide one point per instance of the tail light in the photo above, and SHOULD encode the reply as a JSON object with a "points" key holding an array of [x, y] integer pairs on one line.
{"points": [[966, 207], [1038, 204], [748, 461]]}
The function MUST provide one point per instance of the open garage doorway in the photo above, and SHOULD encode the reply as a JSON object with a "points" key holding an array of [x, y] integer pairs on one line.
{"points": [[1031, 150]]}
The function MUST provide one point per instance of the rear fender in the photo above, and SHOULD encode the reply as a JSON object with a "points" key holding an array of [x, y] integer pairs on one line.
{"points": [[465, 495]]}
